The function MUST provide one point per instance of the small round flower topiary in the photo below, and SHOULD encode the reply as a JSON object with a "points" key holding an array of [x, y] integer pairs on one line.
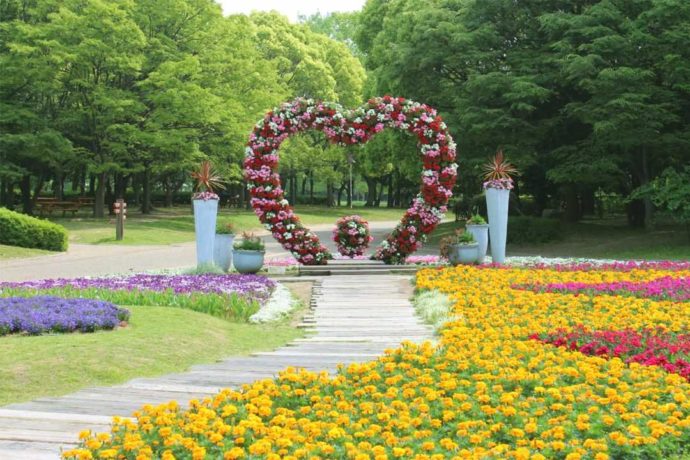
{"points": [[351, 236]]}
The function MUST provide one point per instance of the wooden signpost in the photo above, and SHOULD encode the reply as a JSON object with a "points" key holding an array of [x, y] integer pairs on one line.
{"points": [[120, 209]]}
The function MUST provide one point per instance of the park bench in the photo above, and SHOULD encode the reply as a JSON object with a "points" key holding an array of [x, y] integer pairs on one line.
{"points": [[85, 202], [49, 205]]}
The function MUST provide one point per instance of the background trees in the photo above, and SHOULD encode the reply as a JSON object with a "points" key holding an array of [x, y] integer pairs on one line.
{"points": [[583, 95], [587, 97], [124, 96]]}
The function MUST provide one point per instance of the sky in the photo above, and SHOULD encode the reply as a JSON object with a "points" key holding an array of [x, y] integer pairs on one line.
{"points": [[290, 8]]}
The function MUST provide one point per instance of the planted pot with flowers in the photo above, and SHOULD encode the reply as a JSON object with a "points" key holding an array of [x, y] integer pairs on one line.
{"points": [[459, 248], [222, 245], [248, 256], [477, 226], [205, 211], [498, 184], [465, 249]]}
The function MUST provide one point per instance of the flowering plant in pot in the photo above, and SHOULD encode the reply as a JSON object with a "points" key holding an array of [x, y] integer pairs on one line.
{"points": [[477, 226], [222, 245], [351, 236], [497, 184], [459, 248], [205, 211], [248, 256], [466, 248]]}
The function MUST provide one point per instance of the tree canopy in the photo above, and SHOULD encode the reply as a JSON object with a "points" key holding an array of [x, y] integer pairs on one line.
{"points": [[582, 95], [587, 97]]}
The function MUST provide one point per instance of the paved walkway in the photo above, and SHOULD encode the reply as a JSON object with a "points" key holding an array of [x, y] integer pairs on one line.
{"points": [[353, 319], [96, 260]]}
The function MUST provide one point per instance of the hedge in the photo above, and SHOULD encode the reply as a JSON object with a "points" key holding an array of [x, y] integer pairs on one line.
{"points": [[28, 232], [528, 230]]}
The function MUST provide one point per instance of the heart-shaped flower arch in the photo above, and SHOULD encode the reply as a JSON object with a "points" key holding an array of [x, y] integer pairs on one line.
{"points": [[350, 127]]}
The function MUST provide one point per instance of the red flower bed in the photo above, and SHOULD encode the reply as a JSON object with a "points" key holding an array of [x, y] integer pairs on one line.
{"points": [[648, 347]]}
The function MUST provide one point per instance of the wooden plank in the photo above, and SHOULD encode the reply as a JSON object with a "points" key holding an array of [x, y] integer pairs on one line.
{"points": [[30, 415], [349, 324], [17, 450]]}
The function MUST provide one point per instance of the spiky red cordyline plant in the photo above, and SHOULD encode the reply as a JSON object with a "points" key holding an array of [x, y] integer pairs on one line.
{"points": [[498, 168], [207, 179]]}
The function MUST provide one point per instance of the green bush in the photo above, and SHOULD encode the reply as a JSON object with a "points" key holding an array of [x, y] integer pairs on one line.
{"points": [[526, 230], [28, 232]]}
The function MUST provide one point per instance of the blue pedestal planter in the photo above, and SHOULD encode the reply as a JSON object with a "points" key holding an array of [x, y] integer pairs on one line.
{"points": [[480, 232], [497, 210], [247, 261], [462, 253], [222, 251], [205, 212]]}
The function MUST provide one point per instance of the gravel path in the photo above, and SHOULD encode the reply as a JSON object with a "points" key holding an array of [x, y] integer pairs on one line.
{"points": [[96, 260]]}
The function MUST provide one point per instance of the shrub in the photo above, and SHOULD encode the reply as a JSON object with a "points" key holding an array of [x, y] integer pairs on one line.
{"points": [[28, 232], [525, 230]]}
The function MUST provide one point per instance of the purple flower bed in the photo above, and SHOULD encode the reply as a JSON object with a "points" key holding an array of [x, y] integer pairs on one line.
{"points": [[36, 315], [249, 286], [666, 288], [235, 297]]}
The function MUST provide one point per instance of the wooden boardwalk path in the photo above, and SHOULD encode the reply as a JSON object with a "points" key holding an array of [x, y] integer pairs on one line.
{"points": [[353, 319]]}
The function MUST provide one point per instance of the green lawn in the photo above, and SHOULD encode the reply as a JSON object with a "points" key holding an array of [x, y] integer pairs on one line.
{"points": [[608, 238], [158, 340], [176, 225], [14, 252]]}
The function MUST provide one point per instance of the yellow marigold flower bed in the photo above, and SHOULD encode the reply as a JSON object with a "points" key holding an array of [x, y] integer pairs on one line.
{"points": [[485, 391]]}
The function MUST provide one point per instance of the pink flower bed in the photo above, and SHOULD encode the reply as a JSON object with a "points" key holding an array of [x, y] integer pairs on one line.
{"points": [[666, 288], [647, 347], [623, 266]]}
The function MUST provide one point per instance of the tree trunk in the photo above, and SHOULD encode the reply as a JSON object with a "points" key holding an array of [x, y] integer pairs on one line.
{"points": [[350, 194], [3, 192], [109, 195], [25, 187], [371, 192], [329, 194], [92, 184], [119, 190], [293, 193], [398, 191], [9, 195], [588, 202], [168, 197], [99, 201], [311, 187], [343, 186], [305, 179], [59, 186], [517, 205], [247, 197], [389, 201], [146, 201], [572, 205], [647, 201], [380, 195]]}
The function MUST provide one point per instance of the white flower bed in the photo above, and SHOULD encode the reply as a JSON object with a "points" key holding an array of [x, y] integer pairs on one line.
{"points": [[433, 307], [278, 306]]}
